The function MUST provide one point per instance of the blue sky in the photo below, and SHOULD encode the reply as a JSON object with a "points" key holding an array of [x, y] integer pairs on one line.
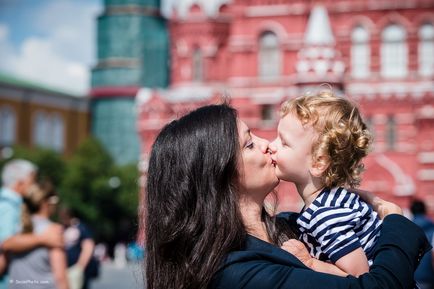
{"points": [[49, 41]]}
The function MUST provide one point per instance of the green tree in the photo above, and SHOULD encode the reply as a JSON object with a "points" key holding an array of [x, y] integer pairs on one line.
{"points": [[103, 194]]}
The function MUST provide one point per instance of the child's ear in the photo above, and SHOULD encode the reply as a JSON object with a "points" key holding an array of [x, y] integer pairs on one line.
{"points": [[319, 165]]}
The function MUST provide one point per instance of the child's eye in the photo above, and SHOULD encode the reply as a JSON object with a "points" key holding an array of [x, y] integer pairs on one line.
{"points": [[250, 145]]}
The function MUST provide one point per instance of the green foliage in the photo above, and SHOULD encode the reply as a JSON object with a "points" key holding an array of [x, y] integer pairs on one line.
{"points": [[88, 188], [104, 195]]}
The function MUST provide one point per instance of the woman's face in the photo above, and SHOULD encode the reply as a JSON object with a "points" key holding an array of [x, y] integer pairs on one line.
{"points": [[257, 172]]}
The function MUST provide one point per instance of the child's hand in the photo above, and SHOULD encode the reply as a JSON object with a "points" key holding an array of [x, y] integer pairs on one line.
{"points": [[298, 249]]}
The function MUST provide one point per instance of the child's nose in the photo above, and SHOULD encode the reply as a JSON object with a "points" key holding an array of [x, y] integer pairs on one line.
{"points": [[272, 146]]}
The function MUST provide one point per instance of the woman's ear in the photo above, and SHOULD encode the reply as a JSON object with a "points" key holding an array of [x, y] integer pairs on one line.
{"points": [[319, 165]]}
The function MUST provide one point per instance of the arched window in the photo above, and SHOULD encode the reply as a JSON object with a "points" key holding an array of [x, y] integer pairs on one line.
{"points": [[394, 52], [58, 133], [197, 65], [7, 126], [41, 129], [426, 50], [269, 60], [360, 53]]}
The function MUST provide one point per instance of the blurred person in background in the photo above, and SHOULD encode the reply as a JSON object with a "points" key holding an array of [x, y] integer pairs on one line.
{"points": [[47, 266], [424, 274], [79, 245], [17, 177]]}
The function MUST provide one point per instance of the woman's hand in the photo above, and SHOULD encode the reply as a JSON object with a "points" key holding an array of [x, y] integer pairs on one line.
{"points": [[298, 249], [382, 207]]}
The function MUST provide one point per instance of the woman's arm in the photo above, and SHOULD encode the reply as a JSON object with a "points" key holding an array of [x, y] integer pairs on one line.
{"points": [[396, 257], [58, 266], [382, 207]]}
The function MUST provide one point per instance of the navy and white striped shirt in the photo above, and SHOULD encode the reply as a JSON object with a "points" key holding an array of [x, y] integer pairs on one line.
{"points": [[338, 222]]}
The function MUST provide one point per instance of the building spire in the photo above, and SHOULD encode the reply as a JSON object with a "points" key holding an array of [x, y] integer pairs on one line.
{"points": [[319, 61], [319, 31]]}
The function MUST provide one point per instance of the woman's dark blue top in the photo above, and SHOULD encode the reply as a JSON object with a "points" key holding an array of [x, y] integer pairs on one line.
{"points": [[265, 266]]}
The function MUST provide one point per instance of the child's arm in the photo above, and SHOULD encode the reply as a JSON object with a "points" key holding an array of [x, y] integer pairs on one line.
{"points": [[354, 263], [298, 249]]}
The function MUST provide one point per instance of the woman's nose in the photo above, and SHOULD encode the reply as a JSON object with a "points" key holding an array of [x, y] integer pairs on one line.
{"points": [[263, 144]]}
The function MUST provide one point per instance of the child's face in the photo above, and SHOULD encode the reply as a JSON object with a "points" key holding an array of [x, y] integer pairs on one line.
{"points": [[292, 149]]}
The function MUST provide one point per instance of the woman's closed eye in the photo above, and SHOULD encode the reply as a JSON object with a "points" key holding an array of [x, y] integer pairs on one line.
{"points": [[250, 144]]}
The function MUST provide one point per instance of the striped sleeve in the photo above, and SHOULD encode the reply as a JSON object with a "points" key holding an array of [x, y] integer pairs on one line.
{"points": [[333, 228]]}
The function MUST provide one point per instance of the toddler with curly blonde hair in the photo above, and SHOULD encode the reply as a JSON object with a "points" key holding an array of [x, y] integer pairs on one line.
{"points": [[321, 142]]}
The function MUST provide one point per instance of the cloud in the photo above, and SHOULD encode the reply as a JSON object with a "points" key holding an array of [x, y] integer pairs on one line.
{"points": [[72, 26], [7, 54], [39, 62], [62, 57]]}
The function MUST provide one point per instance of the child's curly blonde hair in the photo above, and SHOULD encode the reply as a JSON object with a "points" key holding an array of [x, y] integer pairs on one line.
{"points": [[343, 138]]}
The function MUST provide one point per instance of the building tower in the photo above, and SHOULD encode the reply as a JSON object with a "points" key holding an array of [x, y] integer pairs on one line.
{"points": [[132, 52]]}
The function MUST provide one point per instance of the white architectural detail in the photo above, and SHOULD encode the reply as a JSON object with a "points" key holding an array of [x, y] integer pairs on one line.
{"points": [[209, 7], [319, 31], [182, 48], [318, 60], [426, 157], [360, 53], [267, 10], [425, 175], [426, 50], [302, 66], [338, 68], [404, 183], [269, 96], [415, 90], [427, 111], [394, 52], [189, 93], [143, 96], [269, 57]]}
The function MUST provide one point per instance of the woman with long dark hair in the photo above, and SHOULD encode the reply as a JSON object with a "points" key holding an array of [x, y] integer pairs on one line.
{"points": [[206, 226]]}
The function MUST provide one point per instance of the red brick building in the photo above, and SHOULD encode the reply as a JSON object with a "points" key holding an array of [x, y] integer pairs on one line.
{"points": [[262, 52]]}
